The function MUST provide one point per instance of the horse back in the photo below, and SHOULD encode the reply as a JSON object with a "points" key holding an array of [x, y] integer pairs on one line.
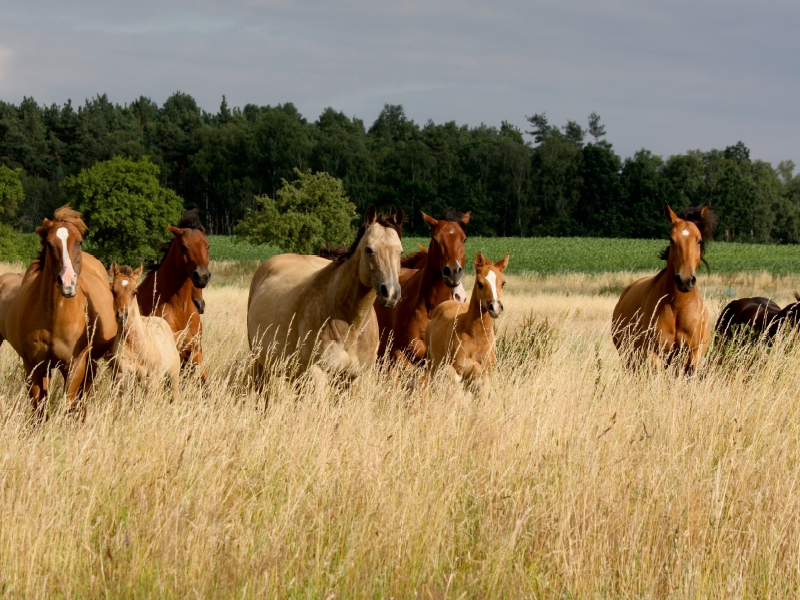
{"points": [[100, 303], [757, 312]]}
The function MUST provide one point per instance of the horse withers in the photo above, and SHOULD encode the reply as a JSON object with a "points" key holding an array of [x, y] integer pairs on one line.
{"points": [[144, 348], [658, 317], [322, 309], [59, 314], [434, 277], [171, 289], [460, 337]]}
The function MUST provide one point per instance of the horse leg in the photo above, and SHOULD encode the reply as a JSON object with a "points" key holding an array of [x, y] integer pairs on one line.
{"points": [[75, 379], [196, 358], [318, 380], [40, 381]]}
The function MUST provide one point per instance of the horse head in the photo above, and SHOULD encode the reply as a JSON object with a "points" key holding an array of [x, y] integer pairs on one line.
{"points": [[193, 246], [379, 251], [489, 283], [124, 286], [61, 252], [686, 247], [446, 250]]}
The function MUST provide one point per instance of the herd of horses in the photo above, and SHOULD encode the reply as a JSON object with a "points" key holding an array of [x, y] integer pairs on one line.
{"points": [[334, 313]]}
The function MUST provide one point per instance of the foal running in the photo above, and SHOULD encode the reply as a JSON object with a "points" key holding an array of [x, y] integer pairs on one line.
{"points": [[144, 348], [657, 317], [460, 337]]}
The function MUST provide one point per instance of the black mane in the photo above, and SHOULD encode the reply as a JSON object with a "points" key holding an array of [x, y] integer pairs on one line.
{"points": [[190, 219]]}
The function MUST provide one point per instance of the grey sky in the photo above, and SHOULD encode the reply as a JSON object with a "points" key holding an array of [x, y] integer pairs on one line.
{"points": [[667, 76]]}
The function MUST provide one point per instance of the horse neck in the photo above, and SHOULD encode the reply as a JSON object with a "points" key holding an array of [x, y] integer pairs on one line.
{"points": [[134, 331], [476, 320], [432, 281], [352, 299], [170, 278], [51, 300]]}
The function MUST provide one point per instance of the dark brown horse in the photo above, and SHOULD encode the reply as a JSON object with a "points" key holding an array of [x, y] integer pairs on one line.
{"points": [[438, 272], [168, 291], [60, 313], [759, 314], [657, 317]]}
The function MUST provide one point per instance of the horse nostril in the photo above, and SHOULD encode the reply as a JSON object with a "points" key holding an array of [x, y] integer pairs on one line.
{"points": [[446, 271], [693, 280], [678, 280], [384, 290], [460, 270]]}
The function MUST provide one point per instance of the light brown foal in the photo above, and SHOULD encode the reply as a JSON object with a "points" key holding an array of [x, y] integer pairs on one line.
{"points": [[460, 337]]}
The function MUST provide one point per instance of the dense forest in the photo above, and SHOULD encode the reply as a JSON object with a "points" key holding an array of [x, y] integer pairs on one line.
{"points": [[548, 180]]}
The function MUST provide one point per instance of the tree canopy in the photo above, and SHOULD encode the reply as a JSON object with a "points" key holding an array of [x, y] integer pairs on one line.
{"points": [[547, 180], [125, 207]]}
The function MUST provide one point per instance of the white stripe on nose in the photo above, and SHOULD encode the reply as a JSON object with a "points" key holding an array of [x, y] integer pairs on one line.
{"points": [[491, 277], [68, 277]]}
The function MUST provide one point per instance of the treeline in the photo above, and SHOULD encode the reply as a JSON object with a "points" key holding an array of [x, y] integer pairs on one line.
{"points": [[547, 180]]}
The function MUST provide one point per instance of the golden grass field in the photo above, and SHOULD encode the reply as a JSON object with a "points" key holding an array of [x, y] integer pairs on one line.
{"points": [[574, 479]]}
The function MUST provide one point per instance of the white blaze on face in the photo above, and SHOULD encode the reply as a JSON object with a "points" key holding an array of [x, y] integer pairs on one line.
{"points": [[125, 283], [68, 276], [685, 232], [491, 277]]}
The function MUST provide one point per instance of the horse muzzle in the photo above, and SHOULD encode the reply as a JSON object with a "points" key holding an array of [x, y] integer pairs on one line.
{"points": [[122, 317], [200, 304], [459, 294], [685, 285], [495, 309], [452, 275], [68, 283], [201, 277], [389, 295]]}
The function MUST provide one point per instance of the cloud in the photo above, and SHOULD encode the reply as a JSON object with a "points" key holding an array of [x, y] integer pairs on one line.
{"points": [[666, 76]]}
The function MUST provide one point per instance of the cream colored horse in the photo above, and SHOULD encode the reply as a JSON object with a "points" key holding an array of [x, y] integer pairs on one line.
{"points": [[144, 348], [460, 337], [322, 309]]}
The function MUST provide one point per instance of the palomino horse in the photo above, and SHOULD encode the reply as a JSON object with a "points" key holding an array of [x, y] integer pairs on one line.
{"points": [[168, 291], [438, 272], [762, 315], [144, 348], [460, 337], [322, 309], [659, 316], [60, 313]]}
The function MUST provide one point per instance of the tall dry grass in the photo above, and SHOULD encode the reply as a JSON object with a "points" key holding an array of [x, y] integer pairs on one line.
{"points": [[575, 478]]}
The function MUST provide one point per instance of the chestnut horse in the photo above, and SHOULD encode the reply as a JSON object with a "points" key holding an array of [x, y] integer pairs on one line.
{"points": [[762, 315], [323, 309], [437, 272], [460, 338], [168, 291], [144, 348], [659, 316], [59, 314]]}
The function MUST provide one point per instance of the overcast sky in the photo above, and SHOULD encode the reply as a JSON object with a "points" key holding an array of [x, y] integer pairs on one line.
{"points": [[667, 76]]}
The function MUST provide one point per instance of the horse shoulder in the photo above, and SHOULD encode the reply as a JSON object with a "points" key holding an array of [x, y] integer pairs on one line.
{"points": [[10, 284]]}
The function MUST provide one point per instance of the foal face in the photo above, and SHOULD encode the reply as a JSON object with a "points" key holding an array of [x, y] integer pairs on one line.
{"points": [[380, 258], [62, 243], [124, 286], [194, 253], [684, 250], [446, 248], [489, 282]]}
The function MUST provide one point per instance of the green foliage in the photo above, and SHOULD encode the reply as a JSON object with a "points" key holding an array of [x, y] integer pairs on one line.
{"points": [[17, 247], [310, 211], [11, 192], [126, 209]]}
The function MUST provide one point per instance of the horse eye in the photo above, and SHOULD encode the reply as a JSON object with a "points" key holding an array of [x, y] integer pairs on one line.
{"points": [[480, 285], [369, 250], [184, 246], [503, 284]]}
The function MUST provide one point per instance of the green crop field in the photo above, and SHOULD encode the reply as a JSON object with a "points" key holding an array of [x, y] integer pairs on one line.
{"points": [[583, 255], [541, 255]]}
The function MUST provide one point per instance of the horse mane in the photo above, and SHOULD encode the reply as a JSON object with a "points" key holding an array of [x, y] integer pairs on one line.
{"points": [[68, 215], [125, 270], [410, 260], [340, 253], [451, 214], [706, 226], [190, 219]]}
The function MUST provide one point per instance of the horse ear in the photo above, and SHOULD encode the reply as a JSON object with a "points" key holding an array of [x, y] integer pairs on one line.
{"points": [[424, 250], [176, 231], [44, 228], [429, 220], [704, 211], [479, 260], [502, 264], [138, 272], [113, 269], [668, 212], [399, 218], [465, 218], [371, 215]]}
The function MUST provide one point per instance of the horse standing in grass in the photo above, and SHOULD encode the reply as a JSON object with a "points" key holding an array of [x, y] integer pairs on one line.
{"points": [[460, 337], [657, 317], [59, 314], [144, 347], [323, 309], [436, 273], [168, 291], [760, 314]]}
